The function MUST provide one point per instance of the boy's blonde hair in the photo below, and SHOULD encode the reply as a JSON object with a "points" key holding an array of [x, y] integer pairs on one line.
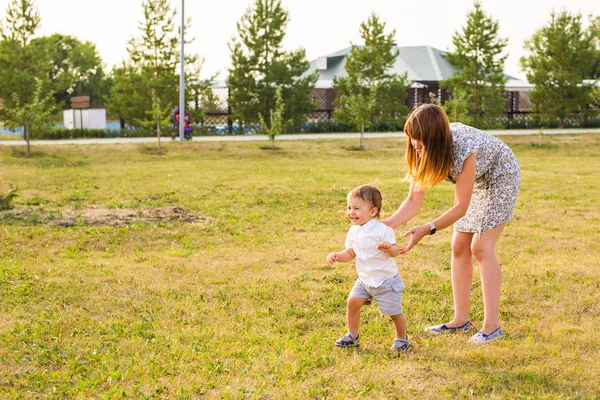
{"points": [[429, 124], [368, 193]]}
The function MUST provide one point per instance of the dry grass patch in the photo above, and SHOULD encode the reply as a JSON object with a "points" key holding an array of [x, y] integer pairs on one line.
{"points": [[120, 217]]}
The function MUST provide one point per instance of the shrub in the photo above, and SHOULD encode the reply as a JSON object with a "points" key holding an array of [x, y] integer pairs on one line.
{"points": [[6, 199]]}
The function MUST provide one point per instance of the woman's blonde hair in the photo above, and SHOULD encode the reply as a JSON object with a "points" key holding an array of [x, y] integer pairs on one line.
{"points": [[429, 124]]}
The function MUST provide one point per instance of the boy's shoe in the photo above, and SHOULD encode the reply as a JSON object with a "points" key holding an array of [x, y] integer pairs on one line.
{"points": [[349, 340], [434, 330], [400, 344], [482, 338]]}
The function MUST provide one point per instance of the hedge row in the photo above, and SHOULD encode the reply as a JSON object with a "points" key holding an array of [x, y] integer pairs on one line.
{"points": [[531, 121]]}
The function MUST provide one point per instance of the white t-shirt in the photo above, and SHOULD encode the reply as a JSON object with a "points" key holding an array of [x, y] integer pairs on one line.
{"points": [[373, 266]]}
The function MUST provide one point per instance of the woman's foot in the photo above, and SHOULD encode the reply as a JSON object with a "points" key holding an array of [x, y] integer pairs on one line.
{"points": [[437, 329], [482, 338]]}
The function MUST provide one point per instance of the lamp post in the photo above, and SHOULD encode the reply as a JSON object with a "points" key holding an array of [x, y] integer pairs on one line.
{"points": [[182, 78]]}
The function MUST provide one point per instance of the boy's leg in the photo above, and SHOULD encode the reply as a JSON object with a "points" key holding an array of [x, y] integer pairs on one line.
{"points": [[353, 313], [400, 325]]}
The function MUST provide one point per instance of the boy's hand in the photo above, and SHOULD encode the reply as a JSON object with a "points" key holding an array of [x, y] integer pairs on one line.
{"points": [[332, 258], [390, 248], [385, 246]]}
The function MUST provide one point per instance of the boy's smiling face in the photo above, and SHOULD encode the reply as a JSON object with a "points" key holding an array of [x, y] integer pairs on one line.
{"points": [[360, 211]]}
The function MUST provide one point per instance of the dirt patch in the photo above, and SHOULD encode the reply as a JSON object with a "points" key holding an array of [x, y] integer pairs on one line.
{"points": [[127, 216]]}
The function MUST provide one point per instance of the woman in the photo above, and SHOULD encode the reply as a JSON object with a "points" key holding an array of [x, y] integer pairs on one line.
{"points": [[487, 178]]}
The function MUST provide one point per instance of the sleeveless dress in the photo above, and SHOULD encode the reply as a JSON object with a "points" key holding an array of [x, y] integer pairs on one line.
{"points": [[497, 178]]}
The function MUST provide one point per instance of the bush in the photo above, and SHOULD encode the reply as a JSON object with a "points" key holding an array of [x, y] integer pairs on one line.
{"points": [[534, 121], [325, 126], [64, 133], [6, 199]]}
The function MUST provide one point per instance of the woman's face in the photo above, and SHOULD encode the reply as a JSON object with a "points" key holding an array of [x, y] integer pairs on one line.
{"points": [[418, 145]]}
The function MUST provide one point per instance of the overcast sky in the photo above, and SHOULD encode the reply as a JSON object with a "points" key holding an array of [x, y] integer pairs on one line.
{"points": [[319, 26]]}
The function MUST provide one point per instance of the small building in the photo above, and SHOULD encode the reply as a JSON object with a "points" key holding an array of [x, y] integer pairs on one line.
{"points": [[425, 67]]}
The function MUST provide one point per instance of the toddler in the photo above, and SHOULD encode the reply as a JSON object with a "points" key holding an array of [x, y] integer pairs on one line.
{"points": [[373, 244]]}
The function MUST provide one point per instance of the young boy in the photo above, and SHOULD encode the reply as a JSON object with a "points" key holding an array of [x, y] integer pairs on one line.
{"points": [[373, 244]]}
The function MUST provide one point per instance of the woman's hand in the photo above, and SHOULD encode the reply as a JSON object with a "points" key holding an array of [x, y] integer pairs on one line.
{"points": [[416, 234]]}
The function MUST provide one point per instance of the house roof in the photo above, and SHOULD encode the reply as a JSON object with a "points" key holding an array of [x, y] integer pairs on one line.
{"points": [[422, 64]]}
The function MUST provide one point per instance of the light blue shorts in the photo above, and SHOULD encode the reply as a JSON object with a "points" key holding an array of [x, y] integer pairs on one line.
{"points": [[388, 295]]}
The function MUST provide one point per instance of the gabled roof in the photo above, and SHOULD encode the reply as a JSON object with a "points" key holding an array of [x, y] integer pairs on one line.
{"points": [[422, 64]]}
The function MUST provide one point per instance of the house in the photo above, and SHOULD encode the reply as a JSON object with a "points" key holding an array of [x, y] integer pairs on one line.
{"points": [[425, 66]]}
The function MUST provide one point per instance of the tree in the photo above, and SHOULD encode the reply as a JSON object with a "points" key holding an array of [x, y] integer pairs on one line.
{"points": [[24, 70], [477, 85], [595, 35], [259, 66], [156, 55], [77, 68], [595, 69], [560, 55], [33, 115], [127, 97], [370, 94], [276, 123], [146, 89]]}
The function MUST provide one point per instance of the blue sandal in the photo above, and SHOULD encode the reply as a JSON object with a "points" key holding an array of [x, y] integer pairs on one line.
{"points": [[348, 340], [401, 344], [434, 330], [482, 338]]}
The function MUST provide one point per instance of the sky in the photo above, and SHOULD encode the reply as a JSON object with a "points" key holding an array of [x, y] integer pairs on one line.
{"points": [[320, 27]]}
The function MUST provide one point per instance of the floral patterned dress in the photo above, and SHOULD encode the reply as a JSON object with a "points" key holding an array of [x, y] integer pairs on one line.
{"points": [[497, 178]]}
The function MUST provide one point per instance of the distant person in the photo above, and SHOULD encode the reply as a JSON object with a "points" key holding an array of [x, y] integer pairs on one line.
{"points": [[373, 244], [487, 178]]}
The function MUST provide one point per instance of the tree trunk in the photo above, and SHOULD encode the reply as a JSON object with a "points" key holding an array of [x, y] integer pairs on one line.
{"points": [[272, 134], [158, 133], [26, 133], [362, 135]]}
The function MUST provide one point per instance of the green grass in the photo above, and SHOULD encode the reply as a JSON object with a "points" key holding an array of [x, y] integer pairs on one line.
{"points": [[244, 306], [8, 136]]}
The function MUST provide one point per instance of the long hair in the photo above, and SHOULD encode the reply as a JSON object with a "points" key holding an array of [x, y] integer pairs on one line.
{"points": [[429, 124]]}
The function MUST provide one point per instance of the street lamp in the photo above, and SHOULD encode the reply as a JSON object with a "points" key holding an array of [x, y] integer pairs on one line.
{"points": [[182, 78]]}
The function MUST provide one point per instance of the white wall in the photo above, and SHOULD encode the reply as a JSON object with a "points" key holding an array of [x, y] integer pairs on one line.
{"points": [[91, 119]]}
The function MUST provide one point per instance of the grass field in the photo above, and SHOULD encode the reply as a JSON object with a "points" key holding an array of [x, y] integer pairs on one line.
{"points": [[240, 304]]}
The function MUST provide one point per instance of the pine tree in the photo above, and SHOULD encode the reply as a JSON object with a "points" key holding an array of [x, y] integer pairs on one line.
{"points": [[24, 70], [259, 65], [146, 89], [156, 55], [560, 56], [594, 31], [370, 94], [594, 72], [479, 78]]}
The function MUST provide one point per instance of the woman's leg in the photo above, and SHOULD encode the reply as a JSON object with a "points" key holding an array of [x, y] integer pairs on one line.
{"points": [[482, 248], [462, 277], [353, 313]]}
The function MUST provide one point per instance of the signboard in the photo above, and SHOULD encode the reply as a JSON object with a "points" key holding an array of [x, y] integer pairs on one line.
{"points": [[79, 102]]}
